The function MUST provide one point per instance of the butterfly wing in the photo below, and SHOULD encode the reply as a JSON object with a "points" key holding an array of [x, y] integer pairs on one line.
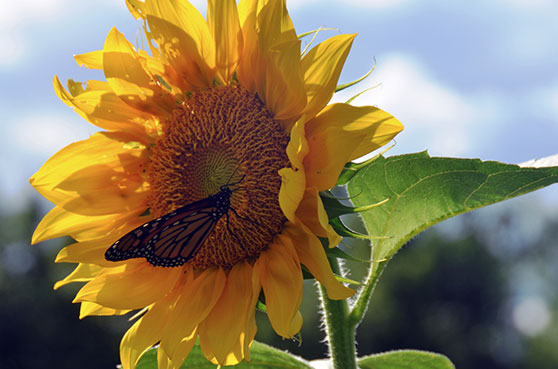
{"points": [[170, 240]]}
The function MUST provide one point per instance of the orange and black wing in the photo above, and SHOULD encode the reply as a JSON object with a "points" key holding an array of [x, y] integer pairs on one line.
{"points": [[170, 240]]}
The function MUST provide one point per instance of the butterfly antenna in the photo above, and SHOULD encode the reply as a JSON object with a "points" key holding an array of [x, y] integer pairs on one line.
{"points": [[232, 175]]}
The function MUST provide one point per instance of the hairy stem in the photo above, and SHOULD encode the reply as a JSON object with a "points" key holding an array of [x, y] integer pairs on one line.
{"points": [[340, 334]]}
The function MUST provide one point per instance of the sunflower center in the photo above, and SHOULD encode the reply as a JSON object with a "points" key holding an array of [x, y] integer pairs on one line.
{"points": [[223, 136]]}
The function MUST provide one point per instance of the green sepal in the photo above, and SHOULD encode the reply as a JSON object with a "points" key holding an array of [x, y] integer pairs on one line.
{"points": [[345, 231], [347, 280], [304, 34], [315, 32], [350, 100], [350, 169], [336, 252], [349, 84], [334, 208]]}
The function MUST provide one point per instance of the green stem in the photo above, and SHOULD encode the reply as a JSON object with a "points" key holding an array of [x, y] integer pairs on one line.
{"points": [[340, 335]]}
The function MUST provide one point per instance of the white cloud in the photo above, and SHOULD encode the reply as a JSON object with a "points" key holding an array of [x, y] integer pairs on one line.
{"points": [[43, 135], [13, 47], [436, 117], [17, 16], [376, 4], [530, 4], [366, 4], [14, 17]]}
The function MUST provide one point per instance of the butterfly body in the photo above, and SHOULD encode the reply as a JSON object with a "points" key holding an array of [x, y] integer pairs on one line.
{"points": [[174, 238]]}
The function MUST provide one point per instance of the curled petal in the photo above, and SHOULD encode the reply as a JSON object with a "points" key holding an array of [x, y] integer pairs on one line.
{"points": [[279, 271], [297, 147], [341, 133], [311, 253], [291, 192], [312, 214]]}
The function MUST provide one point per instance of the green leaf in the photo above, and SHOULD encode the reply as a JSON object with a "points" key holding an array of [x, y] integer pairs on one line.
{"points": [[423, 191], [406, 359], [261, 357]]}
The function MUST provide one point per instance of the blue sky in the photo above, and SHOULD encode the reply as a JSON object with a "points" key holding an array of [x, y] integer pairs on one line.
{"points": [[470, 79]]}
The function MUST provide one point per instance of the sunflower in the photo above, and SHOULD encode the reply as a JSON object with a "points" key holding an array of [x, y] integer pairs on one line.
{"points": [[230, 96]]}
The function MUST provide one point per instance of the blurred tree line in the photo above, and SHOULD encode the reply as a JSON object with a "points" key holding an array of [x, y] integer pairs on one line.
{"points": [[480, 289]]}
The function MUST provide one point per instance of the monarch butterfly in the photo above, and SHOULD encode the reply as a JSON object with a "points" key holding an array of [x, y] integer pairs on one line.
{"points": [[176, 237]]}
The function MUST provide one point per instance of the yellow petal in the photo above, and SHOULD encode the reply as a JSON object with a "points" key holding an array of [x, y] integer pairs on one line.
{"points": [[222, 19], [279, 272], [131, 289], [232, 311], [321, 67], [103, 108], [312, 214], [164, 361], [90, 308], [93, 251], [251, 69], [97, 176], [82, 273], [311, 253], [291, 192], [251, 327], [341, 133], [135, 7], [183, 38], [246, 9], [275, 24], [99, 190], [270, 64], [146, 332], [196, 302], [91, 60], [130, 80], [59, 222], [284, 90]]}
